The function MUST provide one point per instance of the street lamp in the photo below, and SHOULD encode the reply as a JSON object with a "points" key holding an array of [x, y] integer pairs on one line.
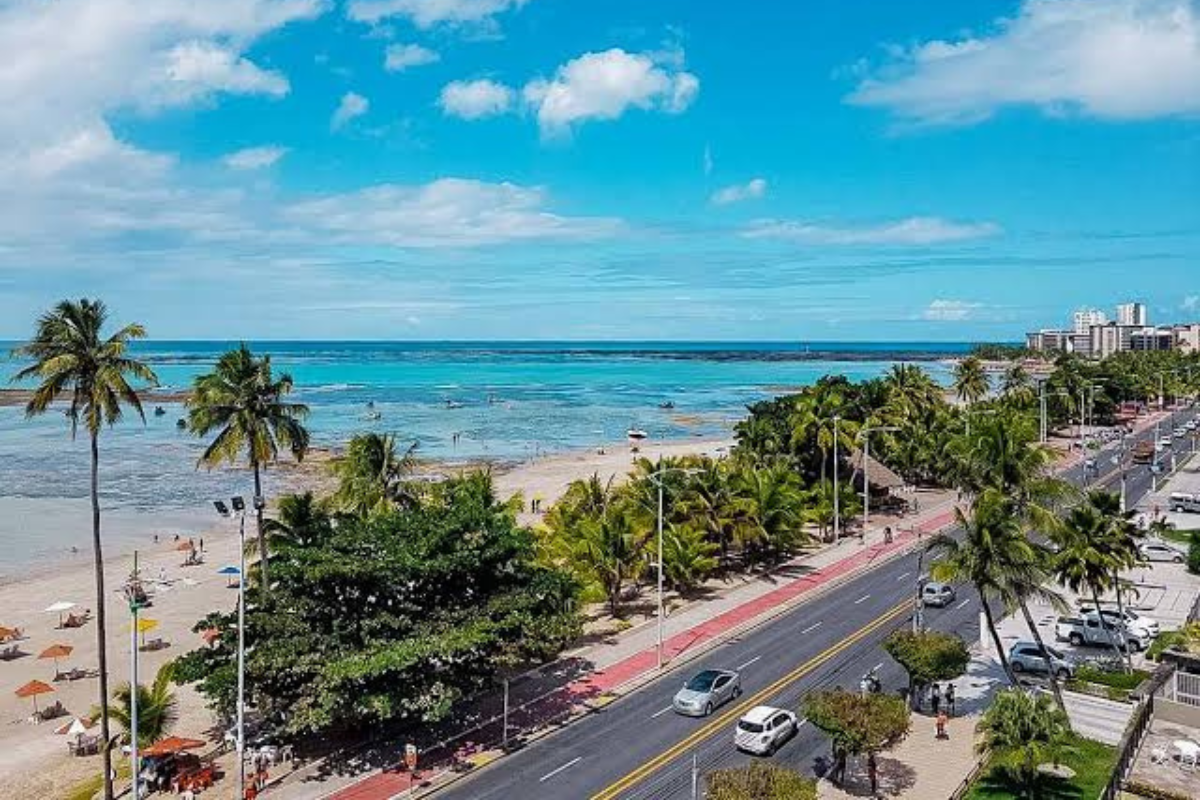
{"points": [[239, 508], [837, 510], [135, 596], [656, 478], [865, 435]]}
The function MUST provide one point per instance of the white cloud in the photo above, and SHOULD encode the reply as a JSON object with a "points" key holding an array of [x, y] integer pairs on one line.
{"points": [[352, 105], [428, 13], [753, 189], [1115, 59], [950, 311], [475, 99], [450, 212], [605, 85], [400, 57], [1190, 303], [708, 160], [911, 231], [254, 157], [199, 68]]}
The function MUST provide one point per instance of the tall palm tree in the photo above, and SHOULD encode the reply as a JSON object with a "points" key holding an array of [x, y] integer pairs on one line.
{"points": [[372, 474], [1122, 535], [688, 557], [771, 503], [611, 547], [1085, 560], [73, 358], [1017, 386], [245, 403], [301, 521], [1023, 729], [970, 380], [157, 707]]}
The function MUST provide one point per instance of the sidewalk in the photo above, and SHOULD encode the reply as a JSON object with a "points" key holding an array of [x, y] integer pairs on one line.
{"points": [[591, 677]]}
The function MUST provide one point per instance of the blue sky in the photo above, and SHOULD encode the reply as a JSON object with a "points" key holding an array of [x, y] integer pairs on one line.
{"points": [[681, 169]]}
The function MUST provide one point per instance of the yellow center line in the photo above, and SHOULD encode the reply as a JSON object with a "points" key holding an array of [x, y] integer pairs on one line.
{"points": [[709, 728]]}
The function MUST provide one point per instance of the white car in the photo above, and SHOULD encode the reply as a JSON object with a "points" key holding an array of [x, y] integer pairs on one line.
{"points": [[1157, 551], [1164, 443], [1132, 619], [763, 729]]}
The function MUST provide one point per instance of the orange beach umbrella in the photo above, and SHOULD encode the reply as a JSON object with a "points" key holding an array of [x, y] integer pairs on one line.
{"points": [[172, 744], [184, 546], [33, 689], [6, 633], [56, 651]]}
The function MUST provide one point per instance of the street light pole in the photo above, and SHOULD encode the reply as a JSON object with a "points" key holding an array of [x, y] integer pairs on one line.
{"points": [[131, 594], [660, 573], [241, 656], [1042, 408], [836, 503], [865, 433]]}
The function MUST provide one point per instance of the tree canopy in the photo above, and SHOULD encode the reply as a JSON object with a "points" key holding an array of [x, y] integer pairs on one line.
{"points": [[928, 656], [759, 782]]}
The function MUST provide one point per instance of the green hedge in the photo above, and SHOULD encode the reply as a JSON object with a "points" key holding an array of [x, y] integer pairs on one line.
{"points": [[1092, 762]]}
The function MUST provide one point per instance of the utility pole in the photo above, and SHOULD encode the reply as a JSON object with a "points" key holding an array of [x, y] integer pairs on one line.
{"points": [[660, 574], [836, 504], [504, 734], [133, 595], [1042, 407]]}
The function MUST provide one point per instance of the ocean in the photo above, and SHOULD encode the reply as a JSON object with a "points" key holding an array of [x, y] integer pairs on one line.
{"points": [[506, 401]]}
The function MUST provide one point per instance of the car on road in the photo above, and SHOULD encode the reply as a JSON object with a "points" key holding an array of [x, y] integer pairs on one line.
{"points": [[1181, 502], [1164, 443], [1028, 657], [1158, 551], [706, 691], [937, 594], [763, 729]]}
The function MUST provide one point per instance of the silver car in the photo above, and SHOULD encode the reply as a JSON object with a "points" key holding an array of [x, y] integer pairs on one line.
{"points": [[937, 594], [706, 691], [1157, 551], [1028, 657]]}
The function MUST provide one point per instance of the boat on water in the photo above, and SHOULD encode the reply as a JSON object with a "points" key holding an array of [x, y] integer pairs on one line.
{"points": [[636, 434], [666, 406], [159, 411], [453, 404]]}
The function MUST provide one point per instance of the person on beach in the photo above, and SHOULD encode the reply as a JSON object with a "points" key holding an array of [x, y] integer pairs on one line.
{"points": [[935, 698], [950, 698], [942, 719], [887, 535]]}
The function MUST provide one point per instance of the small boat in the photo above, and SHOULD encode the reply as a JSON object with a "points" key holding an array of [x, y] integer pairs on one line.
{"points": [[159, 411], [636, 434], [372, 416], [667, 406], [370, 404], [453, 404], [181, 424]]}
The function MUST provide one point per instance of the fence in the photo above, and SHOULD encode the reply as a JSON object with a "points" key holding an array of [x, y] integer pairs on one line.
{"points": [[1183, 687], [976, 771], [1131, 742]]}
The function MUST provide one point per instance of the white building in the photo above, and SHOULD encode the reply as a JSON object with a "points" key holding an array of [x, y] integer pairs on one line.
{"points": [[1085, 318], [1131, 314]]}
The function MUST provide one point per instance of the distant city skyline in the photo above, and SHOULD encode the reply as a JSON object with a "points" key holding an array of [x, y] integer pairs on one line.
{"points": [[540, 170]]}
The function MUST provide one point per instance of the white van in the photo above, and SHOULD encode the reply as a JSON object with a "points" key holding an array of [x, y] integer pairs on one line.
{"points": [[1181, 502]]}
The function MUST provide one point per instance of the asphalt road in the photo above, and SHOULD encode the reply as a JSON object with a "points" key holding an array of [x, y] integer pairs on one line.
{"points": [[638, 748]]}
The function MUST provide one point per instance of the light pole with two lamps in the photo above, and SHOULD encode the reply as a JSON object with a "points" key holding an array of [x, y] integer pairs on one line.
{"points": [[656, 478]]}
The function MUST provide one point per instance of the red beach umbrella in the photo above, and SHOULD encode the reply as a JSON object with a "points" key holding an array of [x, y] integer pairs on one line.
{"points": [[172, 744], [33, 689]]}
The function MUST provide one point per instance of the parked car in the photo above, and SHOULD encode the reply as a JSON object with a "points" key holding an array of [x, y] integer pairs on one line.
{"points": [[1157, 551], [1164, 443], [1089, 630], [1181, 502], [1028, 657], [763, 729], [937, 594], [706, 691], [1132, 618]]}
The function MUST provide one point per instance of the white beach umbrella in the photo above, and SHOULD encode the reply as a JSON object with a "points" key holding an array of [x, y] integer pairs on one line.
{"points": [[77, 728], [59, 608]]}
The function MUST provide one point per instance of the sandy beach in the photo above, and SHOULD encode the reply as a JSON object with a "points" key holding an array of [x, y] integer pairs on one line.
{"points": [[34, 761]]}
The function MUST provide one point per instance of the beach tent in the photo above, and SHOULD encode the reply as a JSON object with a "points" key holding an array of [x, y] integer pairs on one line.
{"points": [[59, 608], [172, 744], [56, 651], [229, 571], [33, 689]]}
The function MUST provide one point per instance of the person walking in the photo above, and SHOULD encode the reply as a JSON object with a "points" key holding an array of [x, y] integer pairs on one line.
{"points": [[942, 719], [935, 698], [950, 698]]}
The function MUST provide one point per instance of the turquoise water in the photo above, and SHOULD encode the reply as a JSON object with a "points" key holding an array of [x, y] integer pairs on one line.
{"points": [[506, 401]]}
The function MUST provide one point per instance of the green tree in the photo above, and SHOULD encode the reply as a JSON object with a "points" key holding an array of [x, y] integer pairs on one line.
{"points": [[758, 782], [612, 548], [372, 476], [1122, 536], [302, 521], [771, 504], [157, 708], [858, 725], [970, 380], [72, 358], [688, 558], [927, 657], [246, 404], [1022, 730], [1017, 386]]}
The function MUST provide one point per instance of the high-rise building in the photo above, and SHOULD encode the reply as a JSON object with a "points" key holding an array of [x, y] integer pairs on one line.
{"points": [[1131, 314], [1085, 318]]}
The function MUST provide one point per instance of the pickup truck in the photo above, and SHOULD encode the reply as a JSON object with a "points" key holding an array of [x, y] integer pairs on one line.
{"points": [[1143, 453], [1088, 630]]}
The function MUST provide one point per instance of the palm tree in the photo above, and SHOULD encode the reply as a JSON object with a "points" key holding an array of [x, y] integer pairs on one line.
{"points": [[71, 357], [301, 521], [372, 474], [771, 506], [611, 548], [1123, 535], [709, 502], [157, 707], [1020, 730], [1003, 454], [242, 400], [1085, 561], [688, 558], [1017, 386], [970, 380]]}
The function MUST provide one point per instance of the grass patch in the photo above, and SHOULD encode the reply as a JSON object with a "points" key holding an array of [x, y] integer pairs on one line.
{"points": [[1092, 762], [1113, 685], [1183, 537], [87, 789]]}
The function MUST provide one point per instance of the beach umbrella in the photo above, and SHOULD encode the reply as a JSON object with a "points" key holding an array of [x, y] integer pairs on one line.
{"points": [[210, 635], [76, 727], [7, 633], [229, 571], [59, 608], [184, 546], [145, 625], [172, 744], [33, 689], [56, 651]]}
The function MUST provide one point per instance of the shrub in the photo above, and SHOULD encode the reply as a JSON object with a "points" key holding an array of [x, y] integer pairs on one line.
{"points": [[759, 782], [1193, 557]]}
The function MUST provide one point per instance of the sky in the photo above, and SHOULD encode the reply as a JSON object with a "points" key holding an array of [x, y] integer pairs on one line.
{"points": [[561, 169]]}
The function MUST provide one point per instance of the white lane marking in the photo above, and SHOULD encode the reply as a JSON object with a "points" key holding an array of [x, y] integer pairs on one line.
{"points": [[748, 663], [963, 604], [801, 723], [861, 599], [567, 765], [902, 577], [658, 714], [812, 628], [878, 667]]}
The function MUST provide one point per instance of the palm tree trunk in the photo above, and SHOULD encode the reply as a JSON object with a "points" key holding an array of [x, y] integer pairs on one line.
{"points": [[1118, 646], [265, 589], [1121, 612], [1037, 637], [991, 623], [101, 628]]}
